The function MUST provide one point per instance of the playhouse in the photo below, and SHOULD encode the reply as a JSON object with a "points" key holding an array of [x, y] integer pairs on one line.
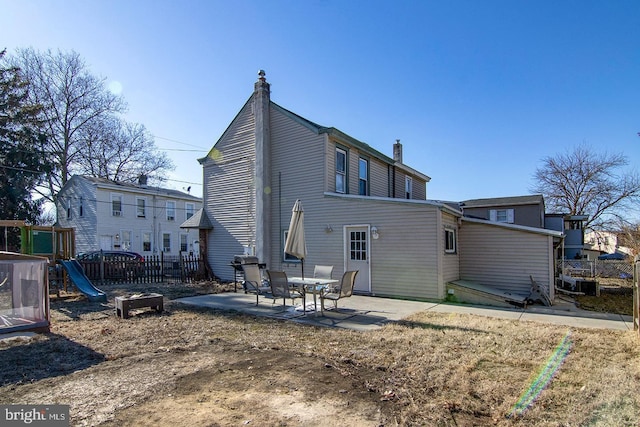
{"points": [[24, 292]]}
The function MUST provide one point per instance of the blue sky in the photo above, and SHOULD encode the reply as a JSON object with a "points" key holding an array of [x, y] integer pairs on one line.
{"points": [[478, 92]]}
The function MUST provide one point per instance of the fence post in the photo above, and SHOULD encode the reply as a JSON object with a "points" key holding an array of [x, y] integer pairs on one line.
{"points": [[636, 295]]}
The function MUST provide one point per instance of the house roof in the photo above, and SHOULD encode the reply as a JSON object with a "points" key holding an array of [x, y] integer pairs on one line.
{"points": [[341, 136], [115, 185], [199, 220], [337, 134], [504, 201], [535, 230]]}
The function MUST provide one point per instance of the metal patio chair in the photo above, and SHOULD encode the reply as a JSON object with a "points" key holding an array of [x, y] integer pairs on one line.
{"points": [[343, 290], [280, 288], [323, 271], [252, 282]]}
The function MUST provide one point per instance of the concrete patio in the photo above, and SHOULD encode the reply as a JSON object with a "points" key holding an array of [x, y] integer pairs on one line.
{"points": [[364, 313]]}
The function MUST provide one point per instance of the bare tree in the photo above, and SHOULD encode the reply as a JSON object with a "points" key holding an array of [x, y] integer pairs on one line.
{"points": [[583, 182], [120, 151], [71, 99]]}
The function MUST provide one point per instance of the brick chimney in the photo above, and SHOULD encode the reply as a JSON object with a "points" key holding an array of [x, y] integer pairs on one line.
{"points": [[397, 151]]}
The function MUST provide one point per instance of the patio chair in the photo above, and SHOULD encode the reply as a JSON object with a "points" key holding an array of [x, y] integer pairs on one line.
{"points": [[280, 288], [252, 282], [322, 271], [343, 290]]}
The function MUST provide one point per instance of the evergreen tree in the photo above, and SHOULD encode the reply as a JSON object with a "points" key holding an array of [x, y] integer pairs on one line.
{"points": [[22, 164]]}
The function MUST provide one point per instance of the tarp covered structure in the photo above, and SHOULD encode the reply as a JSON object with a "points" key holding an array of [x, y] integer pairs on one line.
{"points": [[24, 292]]}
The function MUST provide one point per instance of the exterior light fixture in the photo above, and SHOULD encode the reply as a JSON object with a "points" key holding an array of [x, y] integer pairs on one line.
{"points": [[374, 233]]}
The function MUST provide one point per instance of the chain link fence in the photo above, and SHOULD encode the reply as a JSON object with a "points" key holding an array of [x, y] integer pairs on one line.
{"points": [[613, 269]]}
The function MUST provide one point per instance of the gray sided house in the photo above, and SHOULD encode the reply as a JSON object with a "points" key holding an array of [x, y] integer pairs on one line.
{"points": [[363, 210], [521, 210], [112, 215]]}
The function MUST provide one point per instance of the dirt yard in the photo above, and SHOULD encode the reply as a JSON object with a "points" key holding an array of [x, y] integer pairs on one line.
{"points": [[209, 368]]}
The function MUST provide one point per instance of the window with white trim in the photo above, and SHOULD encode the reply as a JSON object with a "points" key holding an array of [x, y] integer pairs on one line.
{"points": [[408, 187], [146, 241], [171, 211], [183, 243], [363, 177], [116, 205], [501, 215], [141, 207], [69, 213], [190, 210], [450, 241], [341, 171], [166, 242]]}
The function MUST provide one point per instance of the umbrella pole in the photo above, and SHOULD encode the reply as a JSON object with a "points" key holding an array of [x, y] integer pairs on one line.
{"points": [[302, 262]]}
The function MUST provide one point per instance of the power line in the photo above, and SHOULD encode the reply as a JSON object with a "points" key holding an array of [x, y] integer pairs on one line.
{"points": [[42, 172], [180, 142]]}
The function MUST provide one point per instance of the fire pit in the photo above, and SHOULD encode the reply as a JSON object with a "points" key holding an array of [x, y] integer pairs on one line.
{"points": [[124, 304]]}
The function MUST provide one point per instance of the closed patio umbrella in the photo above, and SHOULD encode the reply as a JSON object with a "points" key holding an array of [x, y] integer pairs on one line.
{"points": [[296, 244]]}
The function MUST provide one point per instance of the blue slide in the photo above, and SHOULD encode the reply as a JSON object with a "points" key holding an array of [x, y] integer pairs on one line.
{"points": [[81, 281]]}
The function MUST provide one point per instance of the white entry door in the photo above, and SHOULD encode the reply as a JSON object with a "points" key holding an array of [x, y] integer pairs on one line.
{"points": [[357, 256]]}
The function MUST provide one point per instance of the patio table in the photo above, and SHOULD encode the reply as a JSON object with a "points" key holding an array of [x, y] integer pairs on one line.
{"points": [[313, 285]]}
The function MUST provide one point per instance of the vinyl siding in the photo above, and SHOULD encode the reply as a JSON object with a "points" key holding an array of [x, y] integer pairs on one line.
{"points": [[229, 176], [528, 215], [504, 258], [403, 261], [298, 169], [378, 178], [85, 227], [97, 219]]}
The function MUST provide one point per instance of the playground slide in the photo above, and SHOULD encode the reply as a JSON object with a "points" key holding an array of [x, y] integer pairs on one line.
{"points": [[81, 281]]}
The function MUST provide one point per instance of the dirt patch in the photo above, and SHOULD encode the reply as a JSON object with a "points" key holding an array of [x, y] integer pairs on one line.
{"points": [[213, 368]]}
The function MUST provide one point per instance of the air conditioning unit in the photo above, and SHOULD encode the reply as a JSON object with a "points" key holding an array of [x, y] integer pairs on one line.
{"points": [[116, 213], [171, 218]]}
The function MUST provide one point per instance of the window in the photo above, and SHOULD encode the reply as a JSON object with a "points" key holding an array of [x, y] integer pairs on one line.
{"points": [[166, 242], [146, 241], [449, 240], [363, 177], [408, 186], [285, 256], [141, 208], [358, 245], [501, 215], [69, 214], [190, 209], [81, 208], [341, 171], [116, 205], [183, 243], [171, 211]]}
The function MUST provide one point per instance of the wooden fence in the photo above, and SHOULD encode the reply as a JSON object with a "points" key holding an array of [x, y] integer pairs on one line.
{"points": [[153, 269]]}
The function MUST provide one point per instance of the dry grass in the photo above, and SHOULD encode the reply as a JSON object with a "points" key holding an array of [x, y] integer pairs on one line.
{"points": [[616, 297], [223, 368]]}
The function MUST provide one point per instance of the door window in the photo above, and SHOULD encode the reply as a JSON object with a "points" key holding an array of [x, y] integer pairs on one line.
{"points": [[358, 249]]}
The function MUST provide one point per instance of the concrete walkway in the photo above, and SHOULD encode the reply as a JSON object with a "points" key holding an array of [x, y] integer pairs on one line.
{"points": [[364, 313]]}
